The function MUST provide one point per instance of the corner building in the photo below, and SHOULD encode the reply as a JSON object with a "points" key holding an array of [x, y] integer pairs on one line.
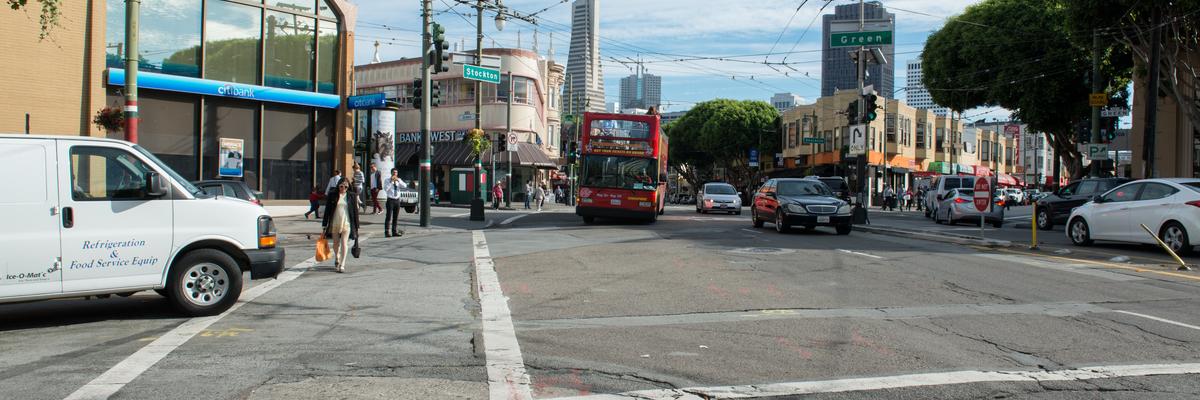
{"points": [[271, 73]]}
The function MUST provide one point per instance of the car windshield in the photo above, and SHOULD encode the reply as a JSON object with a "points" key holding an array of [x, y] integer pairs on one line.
{"points": [[619, 172], [834, 184], [966, 193], [192, 189], [802, 188], [719, 189]]}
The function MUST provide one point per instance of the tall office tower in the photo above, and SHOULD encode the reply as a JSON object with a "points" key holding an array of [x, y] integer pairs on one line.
{"points": [[641, 90], [837, 70], [585, 88], [915, 93]]}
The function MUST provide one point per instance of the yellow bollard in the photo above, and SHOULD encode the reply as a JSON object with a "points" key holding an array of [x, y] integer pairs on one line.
{"points": [[1033, 242], [1182, 265]]}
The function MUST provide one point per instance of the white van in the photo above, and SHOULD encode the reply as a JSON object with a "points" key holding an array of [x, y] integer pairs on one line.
{"points": [[89, 216]]}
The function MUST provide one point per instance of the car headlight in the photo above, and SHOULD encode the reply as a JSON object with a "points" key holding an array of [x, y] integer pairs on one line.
{"points": [[844, 209], [795, 208]]}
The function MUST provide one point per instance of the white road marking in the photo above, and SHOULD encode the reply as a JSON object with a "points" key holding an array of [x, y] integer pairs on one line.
{"points": [[133, 366], [860, 254], [751, 230], [507, 379], [1084, 269], [901, 381], [1163, 320], [460, 215], [514, 218]]}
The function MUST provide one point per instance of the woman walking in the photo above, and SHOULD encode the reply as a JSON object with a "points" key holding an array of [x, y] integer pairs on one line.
{"points": [[341, 221], [539, 194]]}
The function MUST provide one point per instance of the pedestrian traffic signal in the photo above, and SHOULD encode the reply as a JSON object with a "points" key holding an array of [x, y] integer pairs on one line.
{"points": [[440, 56], [870, 107], [501, 143], [416, 94], [435, 93], [852, 113]]}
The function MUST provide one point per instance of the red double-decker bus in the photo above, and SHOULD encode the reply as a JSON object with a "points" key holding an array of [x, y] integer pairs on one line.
{"points": [[623, 171]]}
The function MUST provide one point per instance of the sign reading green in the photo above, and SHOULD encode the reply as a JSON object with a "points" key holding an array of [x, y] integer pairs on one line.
{"points": [[814, 140], [854, 39], [481, 74]]}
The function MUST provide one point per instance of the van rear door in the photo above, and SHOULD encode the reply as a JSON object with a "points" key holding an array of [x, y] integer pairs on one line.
{"points": [[30, 261], [116, 235]]}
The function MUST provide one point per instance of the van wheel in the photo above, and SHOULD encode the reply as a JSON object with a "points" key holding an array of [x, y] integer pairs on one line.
{"points": [[163, 292], [204, 282]]}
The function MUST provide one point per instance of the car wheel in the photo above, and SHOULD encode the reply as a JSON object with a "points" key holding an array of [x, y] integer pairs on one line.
{"points": [[844, 229], [1043, 220], [998, 224], [1176, 238], [781, 225], [410, 209], [204, 282], [936, 218], [1079, 232], [758, 223], [738, 212], [927, 215]]}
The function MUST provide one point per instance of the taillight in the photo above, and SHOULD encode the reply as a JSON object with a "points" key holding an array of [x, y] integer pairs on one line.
{"points": [[1193, 203], [960, 200]]}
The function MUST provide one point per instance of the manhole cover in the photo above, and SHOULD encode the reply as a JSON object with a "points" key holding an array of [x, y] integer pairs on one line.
{"points": [[762, 250]]}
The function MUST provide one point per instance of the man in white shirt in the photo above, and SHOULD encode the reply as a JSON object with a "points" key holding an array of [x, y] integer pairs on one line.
{"points": [[391, 216], [337, 177]]}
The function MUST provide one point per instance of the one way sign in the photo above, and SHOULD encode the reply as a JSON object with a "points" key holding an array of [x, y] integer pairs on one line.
{"points": [[858, 139]]}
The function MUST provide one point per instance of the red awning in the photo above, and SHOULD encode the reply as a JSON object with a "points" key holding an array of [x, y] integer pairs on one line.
{"points": [[982, 171], [1007, 180]]}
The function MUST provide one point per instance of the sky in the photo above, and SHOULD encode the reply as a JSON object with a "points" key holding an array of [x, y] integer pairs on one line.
{"points": [[661, 32]]}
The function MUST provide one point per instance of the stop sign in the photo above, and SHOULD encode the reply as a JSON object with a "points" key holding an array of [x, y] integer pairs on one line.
{"points": [[983, 193]]}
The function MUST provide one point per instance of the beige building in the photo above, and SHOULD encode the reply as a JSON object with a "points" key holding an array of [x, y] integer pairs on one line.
{"points": [[903, 144], [268, 77], [1177, 139], [536, 104]]}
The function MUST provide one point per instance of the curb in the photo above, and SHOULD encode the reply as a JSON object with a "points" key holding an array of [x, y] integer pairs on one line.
{"points": [[967, 240]]}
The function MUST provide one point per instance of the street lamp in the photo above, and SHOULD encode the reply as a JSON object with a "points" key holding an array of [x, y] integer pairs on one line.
{"points": [[500, 18]]}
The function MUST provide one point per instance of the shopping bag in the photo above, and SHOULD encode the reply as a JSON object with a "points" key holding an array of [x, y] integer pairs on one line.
{"points": [[322, 249]]}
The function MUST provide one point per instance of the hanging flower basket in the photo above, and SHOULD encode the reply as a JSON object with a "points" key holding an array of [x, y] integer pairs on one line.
{"points": [[111, 119]]}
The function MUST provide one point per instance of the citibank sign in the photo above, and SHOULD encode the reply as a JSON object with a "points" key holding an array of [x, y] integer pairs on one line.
{"points": [[236, 91]]}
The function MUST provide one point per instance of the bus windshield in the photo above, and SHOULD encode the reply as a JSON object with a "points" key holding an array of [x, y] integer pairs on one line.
{"points": [[620, 129], [619, 172]]}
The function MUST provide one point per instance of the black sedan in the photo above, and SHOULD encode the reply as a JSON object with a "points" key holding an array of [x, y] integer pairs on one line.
{"points": [[1056, 207], [799, 202]]}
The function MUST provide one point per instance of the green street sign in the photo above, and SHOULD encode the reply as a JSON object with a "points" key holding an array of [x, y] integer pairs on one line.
{"points": [[481, 74], [813, 140], [855, 39], [569, 118]]}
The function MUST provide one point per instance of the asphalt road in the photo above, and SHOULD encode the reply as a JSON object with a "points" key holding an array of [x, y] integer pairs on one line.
{"points": [[693, 305]]}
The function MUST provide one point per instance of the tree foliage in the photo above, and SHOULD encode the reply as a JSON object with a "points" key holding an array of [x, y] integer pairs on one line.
{"points": [[48, 19], [720, 133]]}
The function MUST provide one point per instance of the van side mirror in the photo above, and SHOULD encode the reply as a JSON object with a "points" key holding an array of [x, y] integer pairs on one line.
{"points": [[156, 185]]}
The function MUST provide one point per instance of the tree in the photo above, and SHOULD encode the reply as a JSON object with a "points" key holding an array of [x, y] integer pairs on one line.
{"points": [[721, 133], [48, 19], [1019, 55]]}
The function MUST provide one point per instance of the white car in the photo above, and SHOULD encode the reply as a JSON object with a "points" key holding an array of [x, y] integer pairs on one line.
{"points": [[1016, 196], [1169, 207], [716, 196]]}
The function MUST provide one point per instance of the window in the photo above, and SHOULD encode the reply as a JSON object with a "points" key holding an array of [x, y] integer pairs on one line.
{"points": [[230, 118], [290, 41], [1155, 191], [983, 156], [719, 189], [175, 30], [287, 139], [920, 136], [233, 32], [803, 188], [102, 174], [619, 172], [1089, 187], [324, 10], [169, 129], [952, 183], [1070, 189], [1123, 193], [941, 138]]}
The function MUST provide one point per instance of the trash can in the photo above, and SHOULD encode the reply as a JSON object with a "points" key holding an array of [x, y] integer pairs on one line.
{"points": [[462, 186]]}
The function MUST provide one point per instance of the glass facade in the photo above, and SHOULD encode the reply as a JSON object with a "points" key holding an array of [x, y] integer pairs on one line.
{"points": [[175, 48], [236, 119], [291, 51], [327, 47], [231, 45], [287, 151]]}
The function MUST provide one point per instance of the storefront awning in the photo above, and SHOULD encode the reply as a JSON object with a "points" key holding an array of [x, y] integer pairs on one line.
{"points": [[527, 155], [1007, 180]]}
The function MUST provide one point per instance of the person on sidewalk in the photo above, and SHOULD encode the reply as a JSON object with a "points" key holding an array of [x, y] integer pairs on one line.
{"points": [[391, 215], [497, 194], [539, 195], [558, 195], [376, 186], [889, 198], [333, 181], [341, 221], [357, 185], [908, 200], [528, 193], [314, 203]]}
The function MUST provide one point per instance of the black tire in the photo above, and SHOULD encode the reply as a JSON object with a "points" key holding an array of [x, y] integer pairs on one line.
{"points": [[758, 223], [589, 220], [998, 225], [212, 267], [1044, 223], [1176, 238], [162, 292], [1079, 232], [844, 229], [410, 209], [781, 224]]}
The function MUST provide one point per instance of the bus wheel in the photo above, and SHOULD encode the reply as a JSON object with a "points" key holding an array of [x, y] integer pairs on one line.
{"points": [[589, 220]]}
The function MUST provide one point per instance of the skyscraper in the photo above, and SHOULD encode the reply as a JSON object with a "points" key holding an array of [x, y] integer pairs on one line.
{"points": [[785, 101], [837, 70], [585, 88], [916, 94], [641, 90]]}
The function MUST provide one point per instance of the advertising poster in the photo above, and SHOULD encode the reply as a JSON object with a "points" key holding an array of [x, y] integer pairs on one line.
{"points": [[383, 140], [230, 158]]}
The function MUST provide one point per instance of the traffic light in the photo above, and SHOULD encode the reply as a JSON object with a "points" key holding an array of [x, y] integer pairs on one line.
{"points": [[440, 56], [501, 142], [416, 94], [572, 152], [852, 113], [869, 110], [435, 93], [1083, 131], [1108, 129]]}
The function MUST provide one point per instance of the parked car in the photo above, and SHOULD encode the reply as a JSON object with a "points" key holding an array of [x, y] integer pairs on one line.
{"points": [[1014, 195], [1169, 207], [959, 205], [1055, 208], [938, 188], [719, 196], [838, 185], [228, 188], [799, 202], [97, 217]]}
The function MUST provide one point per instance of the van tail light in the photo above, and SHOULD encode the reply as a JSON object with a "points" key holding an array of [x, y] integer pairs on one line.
{"points": [[960, 200], [266, 232], [1193, 203]]}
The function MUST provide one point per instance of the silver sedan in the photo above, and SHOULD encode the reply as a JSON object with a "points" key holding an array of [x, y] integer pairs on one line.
{"points": [[959, 205]]}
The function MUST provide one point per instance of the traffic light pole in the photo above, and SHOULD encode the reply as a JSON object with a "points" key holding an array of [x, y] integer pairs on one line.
{"points": [[1097, 87], [863, 196], [426, 44], [508, 123], [477, 208], [131, 70]]}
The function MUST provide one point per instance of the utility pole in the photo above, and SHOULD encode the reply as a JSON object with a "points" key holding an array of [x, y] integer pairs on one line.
{"points": [[477, 213], [575, 121], [508, 129], [426, 44], [1097, 87], [863, 196], [131, 69], [1152, 96]]}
